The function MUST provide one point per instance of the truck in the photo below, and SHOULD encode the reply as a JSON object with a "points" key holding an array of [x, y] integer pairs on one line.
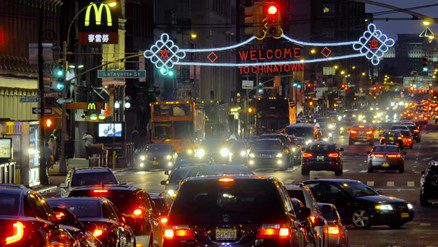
{"points": [[273, 114]]}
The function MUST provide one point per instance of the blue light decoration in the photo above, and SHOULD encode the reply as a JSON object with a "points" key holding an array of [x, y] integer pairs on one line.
{"points": [[373, 45]]}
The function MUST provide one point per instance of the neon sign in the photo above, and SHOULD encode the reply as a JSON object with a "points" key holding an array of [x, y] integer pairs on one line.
{"points": [[373, 44]]}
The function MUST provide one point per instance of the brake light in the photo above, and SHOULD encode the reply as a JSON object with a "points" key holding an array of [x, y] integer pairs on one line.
{"points": [[369, 132], [377, 155], [394, 156], [97, 232], [333, 230], [353, 132], [18, 233], [361, 126], [307, 155], [100, 191], [273, 231], [226, 180], [416, 130], [179, 232], [333, 155], [138, 212]]}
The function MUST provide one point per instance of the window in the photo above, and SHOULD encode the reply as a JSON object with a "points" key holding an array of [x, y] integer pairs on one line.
{"points": [[108, 211], [9, 204], [33, 209], [93, 178]]}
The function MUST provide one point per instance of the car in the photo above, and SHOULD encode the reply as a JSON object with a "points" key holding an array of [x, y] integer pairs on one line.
{"points": [[157, 156], [266, 153], [361, 205], [179, 175], [295, 153], [27, 220], [429, 183], [302, 134], [336, 231], [160, 209], [399, 127], [305, 223], [232, 211], [85, 177], [407, 139], [238, 151], [391, 137], [322, 156], [305, 195], [214, 150], [361, 133], [133, 203], [415, 130], [386, 157], [99, 216]]}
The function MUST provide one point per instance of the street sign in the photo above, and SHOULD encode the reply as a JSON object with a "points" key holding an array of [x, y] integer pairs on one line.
{"points": [[47, 111], [62, 100], [247, 84], [30, 100], [121, 74]]}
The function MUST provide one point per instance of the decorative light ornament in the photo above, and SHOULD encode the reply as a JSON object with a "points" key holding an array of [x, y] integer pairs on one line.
{"points": [[127, 105], [164, 53], [117, 105]]}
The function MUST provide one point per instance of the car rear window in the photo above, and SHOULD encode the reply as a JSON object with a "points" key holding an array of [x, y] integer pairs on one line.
{"points": [[244, 201], [318, 147], [93, 178], [300, 131], [9, 203], [386, 149], [123, 200], [298, 194], [83, 208], [225, 170]]}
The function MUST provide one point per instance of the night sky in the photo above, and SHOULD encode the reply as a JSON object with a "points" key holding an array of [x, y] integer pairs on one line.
{"points": [[392, 28]]}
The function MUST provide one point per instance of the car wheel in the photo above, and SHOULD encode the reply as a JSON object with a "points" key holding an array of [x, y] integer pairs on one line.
{"points": [[401, 169], [350, 142], [424, 201], [305, 171], [339, 172], [360, 219]]}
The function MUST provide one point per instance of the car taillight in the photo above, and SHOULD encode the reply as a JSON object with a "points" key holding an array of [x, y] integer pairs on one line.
{"points": [[394, 156], [137, 212], [377, 155], [59, 215], [369, 132], [164, 220], [18, 233], [307, 155], [179, 233], [273, 231], [98, 232], [353, 131], [98, 191], [333, 155], [333, 230]]}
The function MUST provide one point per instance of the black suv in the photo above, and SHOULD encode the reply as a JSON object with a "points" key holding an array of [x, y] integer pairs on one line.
{"points": [[359, 204], [232, 211], [429, 183]]}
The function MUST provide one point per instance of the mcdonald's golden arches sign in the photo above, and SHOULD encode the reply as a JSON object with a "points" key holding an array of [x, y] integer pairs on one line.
{"points": [[99, 24]]}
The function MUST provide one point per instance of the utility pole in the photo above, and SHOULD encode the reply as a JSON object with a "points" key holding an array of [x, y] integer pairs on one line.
{"points": [[42, 168], [63, 163]]}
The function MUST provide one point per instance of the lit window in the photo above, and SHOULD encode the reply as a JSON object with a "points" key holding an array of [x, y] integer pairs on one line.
{"points": [[326, 10]]}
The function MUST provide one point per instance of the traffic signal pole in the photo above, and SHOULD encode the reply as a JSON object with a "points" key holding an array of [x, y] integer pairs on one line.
{"points": [[63, 163]]}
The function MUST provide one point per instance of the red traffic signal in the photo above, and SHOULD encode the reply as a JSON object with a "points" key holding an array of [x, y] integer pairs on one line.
{"points": [[272, 9], [48, 123]]}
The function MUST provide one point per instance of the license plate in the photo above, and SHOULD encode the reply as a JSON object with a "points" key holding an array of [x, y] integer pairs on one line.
{"points": [[226, 234], [404, 215], [320, 158], [385, 165]]}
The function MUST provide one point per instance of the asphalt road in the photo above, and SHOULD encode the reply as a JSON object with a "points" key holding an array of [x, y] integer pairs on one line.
{"points": [[422, 231]]}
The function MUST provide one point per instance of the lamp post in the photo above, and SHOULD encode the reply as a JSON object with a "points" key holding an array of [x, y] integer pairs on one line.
{"points": [[63, 164]]}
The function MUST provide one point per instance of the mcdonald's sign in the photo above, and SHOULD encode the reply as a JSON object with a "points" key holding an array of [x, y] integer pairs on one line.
{"points": [[100, 25], [91, 106]]}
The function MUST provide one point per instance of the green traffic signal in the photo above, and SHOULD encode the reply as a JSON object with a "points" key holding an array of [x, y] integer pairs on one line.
{"points": [[60, 86], [59, 72], [167, 72]]}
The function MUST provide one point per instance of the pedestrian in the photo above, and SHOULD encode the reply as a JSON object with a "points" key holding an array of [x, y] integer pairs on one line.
{"points": [[88, 141], [47, 152], [53, 147]]}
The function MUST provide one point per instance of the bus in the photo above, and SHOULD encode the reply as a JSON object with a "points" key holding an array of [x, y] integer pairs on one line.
{"points": [[179, 123], [272, 114]]}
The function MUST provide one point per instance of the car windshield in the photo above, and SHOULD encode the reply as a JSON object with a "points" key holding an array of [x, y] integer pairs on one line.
{"points": [[391, 134], [321, 147], [123, 200], [394, 127], [179, 174], [225, 170], [357, 189], [82, 208], [9, 203], [93, 178], [267, 144], [252, 201], [159, 148], [406, 133], [386, 149], [300, 131], [282, 138], [237, 145]]}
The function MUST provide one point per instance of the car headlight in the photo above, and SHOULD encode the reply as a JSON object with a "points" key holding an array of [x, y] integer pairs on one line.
{"points": [[168, 157], [225, 152], [342, 128], [200, 153], [330, 134], [251, 155], [294, 149], [243, 153], [279, 155], [339, 118], [189, 151], [142, 157], [171, 193], [410, 206], [308, 141], [384, 207]]}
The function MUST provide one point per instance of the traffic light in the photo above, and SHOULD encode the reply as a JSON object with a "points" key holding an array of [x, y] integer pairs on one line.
{"points": [[59, 74], [272, 14], [167, 72], [425, 64], [48, 123], [255, 23]]}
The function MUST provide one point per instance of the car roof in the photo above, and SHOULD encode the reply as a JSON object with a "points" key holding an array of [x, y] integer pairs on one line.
{"points": [[322, 142], [92, 170], [385, 146], [333, 180], [107, 187], [292, 187], [65, 199], [301, 125], [235, 177]]}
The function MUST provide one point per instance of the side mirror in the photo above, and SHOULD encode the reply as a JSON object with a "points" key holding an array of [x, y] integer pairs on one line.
{"points": [[63, 185], [303, 213], [164, 182]]}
